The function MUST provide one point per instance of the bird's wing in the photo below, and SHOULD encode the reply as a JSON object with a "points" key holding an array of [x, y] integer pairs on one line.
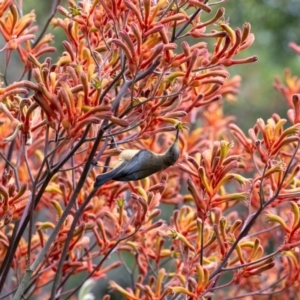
{"points": [[130, 170]]}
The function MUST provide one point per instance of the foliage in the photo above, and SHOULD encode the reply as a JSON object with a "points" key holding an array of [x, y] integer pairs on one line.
{"points": [[128, 75]]}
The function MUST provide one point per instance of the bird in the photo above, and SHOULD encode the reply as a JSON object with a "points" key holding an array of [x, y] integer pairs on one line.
{"points": [[138, 164]]}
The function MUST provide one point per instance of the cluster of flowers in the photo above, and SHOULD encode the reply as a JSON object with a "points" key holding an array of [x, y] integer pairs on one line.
{"points": [[128, 72]]}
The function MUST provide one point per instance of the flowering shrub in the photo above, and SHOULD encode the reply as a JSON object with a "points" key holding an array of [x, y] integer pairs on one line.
{"points": [[128, 76]]}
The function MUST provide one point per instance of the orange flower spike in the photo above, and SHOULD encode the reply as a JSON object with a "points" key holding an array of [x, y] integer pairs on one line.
{"points": [[240, 254], [152, 37], [291, 176], [14, 42], [159, 282], [87, 57], [57, 207], [249, 41], [53, 99], [180, 290], [262, 126], [278, 128], [42, 103], [234, 49], [27, 123], [199, 234], [63, 95], [36, 73], [207, 158], [135, 11], [138, 37], [45, 77], [230, 197], [23, 24], [220, 240], [240, 179], [218, 45], [293, 258], [139, 281], [125, 49], [200, 204], [142, 192], [120, 204], [191, 63], [260, 270], [296, 104], [156, 9], [223, 228], [224, 150], [293, 130], [238, 133], [124, 35], [210, 89], [172, 18], [276, 219], [86, 86], [219, 14], [126, 294], [32, 59], [91, 76], [203, 279], [296, 216], [232, 62], [186, 49], [245, 31], [4, 5], [19, 194], [225, 27], [64, 60], [102, 230], [256, 248], [236, 225], [164, 37], [70, 97], [4, 197], [221, 52], [286, 141], [178, 236], [197, 4], [14, 17]]}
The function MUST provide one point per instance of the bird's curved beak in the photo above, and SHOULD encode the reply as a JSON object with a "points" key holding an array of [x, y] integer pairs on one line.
{"points": [[177, 135]]}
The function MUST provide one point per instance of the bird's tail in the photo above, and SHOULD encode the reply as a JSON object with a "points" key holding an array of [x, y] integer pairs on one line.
{"points": [[103, 178]]}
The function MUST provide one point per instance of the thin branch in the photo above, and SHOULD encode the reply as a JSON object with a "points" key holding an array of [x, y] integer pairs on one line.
{"points": [[52, 14]]}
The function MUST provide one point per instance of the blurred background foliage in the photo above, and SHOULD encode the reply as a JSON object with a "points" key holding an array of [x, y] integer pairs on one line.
{"points": [[274, 23]]}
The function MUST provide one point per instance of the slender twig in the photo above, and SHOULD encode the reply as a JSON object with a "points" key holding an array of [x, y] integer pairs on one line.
{"points": [[52, 14], [27, 163]]}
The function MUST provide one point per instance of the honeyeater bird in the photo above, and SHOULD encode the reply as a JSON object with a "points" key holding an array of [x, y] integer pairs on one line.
{"points": [[138, 164]]}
